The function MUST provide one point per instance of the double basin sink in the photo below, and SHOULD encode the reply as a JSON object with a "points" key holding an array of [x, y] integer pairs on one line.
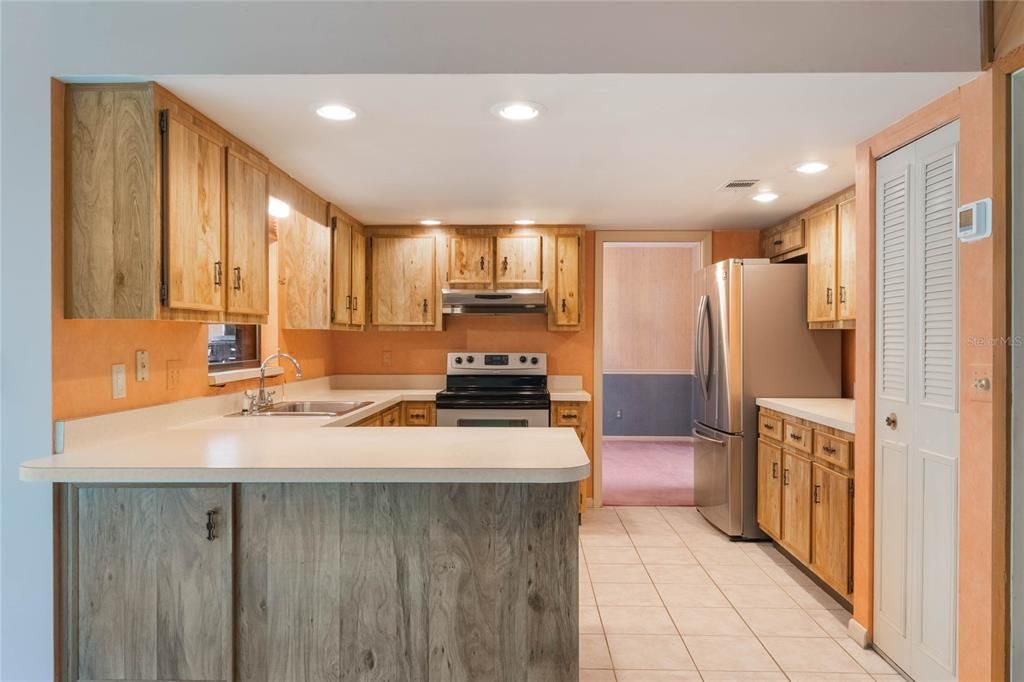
{"points": [[312, 408]]}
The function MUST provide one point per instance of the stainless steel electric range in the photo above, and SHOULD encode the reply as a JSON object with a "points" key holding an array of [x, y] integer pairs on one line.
{"points": [[495, 389]]}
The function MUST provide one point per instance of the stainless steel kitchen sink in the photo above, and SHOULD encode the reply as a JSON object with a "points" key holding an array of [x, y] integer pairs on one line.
{"points": [[313, 408]]}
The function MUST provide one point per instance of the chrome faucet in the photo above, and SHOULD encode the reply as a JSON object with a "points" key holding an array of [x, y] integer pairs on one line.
{"points": [[265, 398]]}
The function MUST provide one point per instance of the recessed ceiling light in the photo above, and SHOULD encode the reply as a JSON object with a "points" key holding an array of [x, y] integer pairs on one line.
{"points": [[278, 208], [517, 111], [430, 222], [811, 167], [336, 112], [765, 197], [525, 221]]}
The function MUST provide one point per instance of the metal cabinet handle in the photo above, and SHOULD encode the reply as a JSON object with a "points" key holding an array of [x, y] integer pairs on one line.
{"points": [[504, 263], [829, 449], [768, 426], [482, 262], [775, 469], [842, 294], [238, 277], [795, 436], [355, 303], [785, 477], [565, 308], [216, 273], [348, 302], [424, 305], [817, 494], [777, 242], [828, 295], [211, 525]]}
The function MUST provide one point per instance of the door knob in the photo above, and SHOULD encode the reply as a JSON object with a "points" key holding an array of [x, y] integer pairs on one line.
{"points": [[890, 421]]}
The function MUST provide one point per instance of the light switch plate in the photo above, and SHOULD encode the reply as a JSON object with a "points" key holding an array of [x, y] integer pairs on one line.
{"points": [[141, 365], [979, 386], [119, 387]]}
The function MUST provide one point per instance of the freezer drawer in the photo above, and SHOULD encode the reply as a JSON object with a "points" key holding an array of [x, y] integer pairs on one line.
{"points": [[718, 470]]}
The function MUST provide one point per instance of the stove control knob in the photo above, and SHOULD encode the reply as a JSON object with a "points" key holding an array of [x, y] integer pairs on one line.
{"points": [[534, 361], [522, 359], [458, 360], [469, 359]]}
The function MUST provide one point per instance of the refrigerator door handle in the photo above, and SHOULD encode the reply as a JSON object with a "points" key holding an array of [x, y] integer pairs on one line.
{"points": [[709, 439], [702, 327]]}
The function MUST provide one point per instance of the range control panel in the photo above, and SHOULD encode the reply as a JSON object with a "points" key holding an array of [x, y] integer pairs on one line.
{"points": [[497, 363]]}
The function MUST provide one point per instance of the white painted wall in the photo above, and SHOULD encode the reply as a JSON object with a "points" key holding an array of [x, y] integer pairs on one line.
{"points": [[39, 40]]}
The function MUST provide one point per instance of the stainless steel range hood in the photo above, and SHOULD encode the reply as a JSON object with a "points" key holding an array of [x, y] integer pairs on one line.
{"points": [[492, 301]]}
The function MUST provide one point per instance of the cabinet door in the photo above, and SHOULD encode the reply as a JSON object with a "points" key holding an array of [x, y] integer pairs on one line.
{"points": [[821, 266], [830, 521], [796, 505], [151, 598], [847, 277], [470, 260], [567, 280], [403, 280], [358, 313], [769, 488], [341, 258], [194, 229], [518, 262], [247, 237], [306, 245]]}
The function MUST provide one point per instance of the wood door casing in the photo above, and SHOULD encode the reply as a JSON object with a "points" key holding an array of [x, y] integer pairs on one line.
{"points": [[769, 487], [152, 596], [567, 280], [821, 266], [194, 168], [796, 505], [830, 523], [247, 236], [358, 313], [518, 261], [341, 275], [470, 260], [403, 280], [846, 277]]}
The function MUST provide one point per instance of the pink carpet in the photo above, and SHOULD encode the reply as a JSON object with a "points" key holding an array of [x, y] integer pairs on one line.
{"points": [[647, 473]]}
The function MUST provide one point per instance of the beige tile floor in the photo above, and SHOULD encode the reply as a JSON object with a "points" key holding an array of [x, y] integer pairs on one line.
{"points": [[666, 597]]}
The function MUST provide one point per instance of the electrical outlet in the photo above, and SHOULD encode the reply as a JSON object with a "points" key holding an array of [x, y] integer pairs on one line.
{"points": [[141, 365], [618, 414], [385, 358], [173, 374], [119, 387]]}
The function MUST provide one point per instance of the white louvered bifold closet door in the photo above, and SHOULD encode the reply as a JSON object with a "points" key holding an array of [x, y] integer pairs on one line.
{"points": [[916, 406]]}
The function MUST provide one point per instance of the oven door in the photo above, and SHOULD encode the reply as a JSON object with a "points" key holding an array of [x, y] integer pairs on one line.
{"points": [[493, 417]]}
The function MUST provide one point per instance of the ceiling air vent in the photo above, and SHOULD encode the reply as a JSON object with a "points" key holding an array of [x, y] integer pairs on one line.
{"points": [[740, 184]]}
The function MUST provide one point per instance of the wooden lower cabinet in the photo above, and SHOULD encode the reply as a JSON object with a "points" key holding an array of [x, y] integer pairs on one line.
{"points": [[392, 416], [574, 414], [805, 499], [419, 413], [769, 488], [831, 520], [796, 505], [148, 595]]}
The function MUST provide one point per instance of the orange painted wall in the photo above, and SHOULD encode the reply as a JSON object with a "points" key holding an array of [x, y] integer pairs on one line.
{"points": [[980, 105]]}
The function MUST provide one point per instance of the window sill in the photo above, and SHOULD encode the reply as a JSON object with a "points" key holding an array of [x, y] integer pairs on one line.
{"points": [[229, 375]]}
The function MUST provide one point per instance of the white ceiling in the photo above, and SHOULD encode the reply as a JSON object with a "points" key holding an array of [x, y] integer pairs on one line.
{"points": [[609, 151]]}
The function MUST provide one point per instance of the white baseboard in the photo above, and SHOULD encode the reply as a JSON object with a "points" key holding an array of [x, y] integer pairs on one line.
{"points": [[681, 439], [858, 633]]}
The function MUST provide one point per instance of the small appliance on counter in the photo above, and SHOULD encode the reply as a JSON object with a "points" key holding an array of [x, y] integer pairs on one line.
{"points": [[751, 341], [495, 389]]}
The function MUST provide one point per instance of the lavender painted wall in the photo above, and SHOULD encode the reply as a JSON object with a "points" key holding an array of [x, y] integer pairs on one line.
{"points": [[650, 404]]}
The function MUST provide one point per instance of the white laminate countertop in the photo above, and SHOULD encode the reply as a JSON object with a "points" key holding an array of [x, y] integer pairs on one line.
{"points": [[835, 412], [160, 445]]}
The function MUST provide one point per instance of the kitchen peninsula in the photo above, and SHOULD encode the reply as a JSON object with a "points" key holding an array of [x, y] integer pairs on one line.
{"points": [[256, 548]]}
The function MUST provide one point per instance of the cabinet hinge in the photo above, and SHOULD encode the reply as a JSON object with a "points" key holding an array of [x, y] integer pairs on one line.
{"points": [[163, 121], [849, 584], [334, 223], [163, 293], [850, 483]]}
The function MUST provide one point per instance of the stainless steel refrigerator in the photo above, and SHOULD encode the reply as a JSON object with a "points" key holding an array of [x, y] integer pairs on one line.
{"points": [[751, 341]]}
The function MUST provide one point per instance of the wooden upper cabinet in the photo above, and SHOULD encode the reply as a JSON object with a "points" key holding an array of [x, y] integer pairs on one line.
{"points": [[247, 236], [152, 592], [567, 280], [847, 249], [404, 277], [306, 266], [194, 229], [341, 257], [470, 260], [518, 262], [358, 313], [822, 239]]}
